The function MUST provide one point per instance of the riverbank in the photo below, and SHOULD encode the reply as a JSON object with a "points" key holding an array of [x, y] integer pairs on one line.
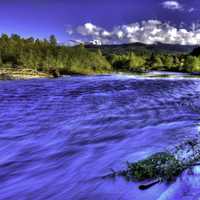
{"points": [[25, 73], [18, 74]]}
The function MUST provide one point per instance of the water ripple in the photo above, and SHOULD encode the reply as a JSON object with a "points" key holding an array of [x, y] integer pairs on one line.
{"points": [[58, 137]]}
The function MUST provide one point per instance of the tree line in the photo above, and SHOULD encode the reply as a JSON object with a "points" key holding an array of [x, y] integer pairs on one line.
{"points": [[156, 61], [47, 55]]}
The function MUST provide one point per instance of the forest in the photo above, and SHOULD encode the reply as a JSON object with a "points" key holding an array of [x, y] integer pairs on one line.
{"points": [[48, 55]]}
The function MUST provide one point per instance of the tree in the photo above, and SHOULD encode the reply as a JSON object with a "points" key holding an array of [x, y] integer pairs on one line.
{"points": [[4, 37], [53, 40], [99, 52], [1, 62], [168, 61], [192, 64], [30, 40], [15, 37], [154, 62], [196, 52]]}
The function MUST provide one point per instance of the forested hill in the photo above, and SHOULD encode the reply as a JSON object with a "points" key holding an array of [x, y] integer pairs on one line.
{"points": [[48, 56], [143, 48]]}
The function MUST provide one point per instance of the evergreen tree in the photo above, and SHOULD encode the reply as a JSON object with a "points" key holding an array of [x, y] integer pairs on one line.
{"points": [[53, 40]]}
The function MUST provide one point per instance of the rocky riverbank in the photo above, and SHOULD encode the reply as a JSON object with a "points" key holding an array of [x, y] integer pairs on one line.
{"points": [[18, 74]]}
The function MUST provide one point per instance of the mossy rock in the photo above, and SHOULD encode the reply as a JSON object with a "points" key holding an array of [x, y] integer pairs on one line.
{"points": [[164, 166], [160, 165]]}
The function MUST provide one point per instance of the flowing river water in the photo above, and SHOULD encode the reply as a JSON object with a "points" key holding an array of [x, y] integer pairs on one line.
{"points": [[59, 137]]}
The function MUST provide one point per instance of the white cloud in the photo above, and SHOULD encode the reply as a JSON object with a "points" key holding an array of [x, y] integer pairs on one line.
{"points": [[149, 32], [89, 29], [106, 33], [172, 5]]}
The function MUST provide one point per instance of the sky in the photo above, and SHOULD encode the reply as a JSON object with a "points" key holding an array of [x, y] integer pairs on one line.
{"points": [[104, 21]]}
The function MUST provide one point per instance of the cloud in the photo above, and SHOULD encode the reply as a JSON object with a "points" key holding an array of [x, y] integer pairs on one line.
{"points": [[89, 29], [172, 5], [148, 32]]}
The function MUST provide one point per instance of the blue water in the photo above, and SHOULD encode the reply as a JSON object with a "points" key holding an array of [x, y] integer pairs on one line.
{"points": [[59, 137]]}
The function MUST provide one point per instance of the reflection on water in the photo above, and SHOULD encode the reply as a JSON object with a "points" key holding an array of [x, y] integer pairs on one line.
{"points": [[59, 137]]}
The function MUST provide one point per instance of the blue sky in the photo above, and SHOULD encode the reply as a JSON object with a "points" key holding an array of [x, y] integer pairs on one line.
{"points": [[68, 18]]}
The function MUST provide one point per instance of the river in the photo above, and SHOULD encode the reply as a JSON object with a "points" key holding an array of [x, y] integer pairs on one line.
{"points": [[59, 137]]}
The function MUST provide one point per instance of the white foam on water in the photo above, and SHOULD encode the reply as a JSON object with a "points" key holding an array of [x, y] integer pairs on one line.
{"points": [[185, 187], [196, 170], [173, 192], [157, 76]]}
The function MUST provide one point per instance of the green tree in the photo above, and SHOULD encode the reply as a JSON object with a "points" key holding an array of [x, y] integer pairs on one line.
{"points": [[192, 64], [15, 37], [1, 62], [154, 62], [53, 40], [168, 61]]}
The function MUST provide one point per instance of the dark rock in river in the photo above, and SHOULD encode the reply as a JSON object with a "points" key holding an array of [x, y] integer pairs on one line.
{"points": [[54, 72], [165, 165], [160, 165]]}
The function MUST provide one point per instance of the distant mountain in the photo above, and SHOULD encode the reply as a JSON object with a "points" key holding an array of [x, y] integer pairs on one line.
{"points": [[141, 48]]}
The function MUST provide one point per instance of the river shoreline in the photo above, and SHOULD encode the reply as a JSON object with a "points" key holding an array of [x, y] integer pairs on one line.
{"points": [[25, 74], [22, 74]]}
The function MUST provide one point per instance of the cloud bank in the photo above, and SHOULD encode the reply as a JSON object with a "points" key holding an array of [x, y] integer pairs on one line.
{"points": [[148, 32], [172, 5]]}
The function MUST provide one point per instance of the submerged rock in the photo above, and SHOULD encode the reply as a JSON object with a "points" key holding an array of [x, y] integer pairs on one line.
{"points": [[160, 165], [54, 72], [165, 166]]}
